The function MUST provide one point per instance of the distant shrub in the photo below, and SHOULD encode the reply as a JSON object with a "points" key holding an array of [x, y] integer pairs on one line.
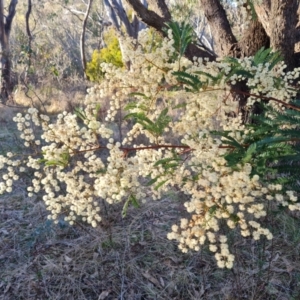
{"points": [[110, 54]]}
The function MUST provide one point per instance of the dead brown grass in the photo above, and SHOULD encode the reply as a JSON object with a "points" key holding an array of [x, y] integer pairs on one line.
{"points": [[131, 258], [50, 99]]}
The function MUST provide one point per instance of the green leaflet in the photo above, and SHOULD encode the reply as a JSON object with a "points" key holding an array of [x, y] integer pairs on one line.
{"points": [[79, 112], [160, 184], [264, 56], [101, 171], [183, 35], [212, 209], [138, 94], [271, 146], [157, 127], [131, 200], [192, 82], [230, 140], [63, 161], [249, 153]]}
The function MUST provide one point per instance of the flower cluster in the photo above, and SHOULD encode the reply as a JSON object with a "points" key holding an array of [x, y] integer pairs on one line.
{"points": [[9, 164], [121, 178], [222, 194], [77, 161]]}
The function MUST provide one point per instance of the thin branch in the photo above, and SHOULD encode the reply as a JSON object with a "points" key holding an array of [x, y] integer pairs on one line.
{"points": [[128, 149], [27, 16], [82, 37], [11, 14], [29, 35]]}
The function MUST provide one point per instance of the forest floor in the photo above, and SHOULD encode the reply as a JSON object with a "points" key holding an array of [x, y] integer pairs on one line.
{"points": [[131, 258]]}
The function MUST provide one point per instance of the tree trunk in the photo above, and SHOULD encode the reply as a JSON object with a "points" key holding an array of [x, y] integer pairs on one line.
{"points": [[253, 39], [263, 11], [29, 36], [5, 65], [224, 39], [82, 38], [283, 24]]}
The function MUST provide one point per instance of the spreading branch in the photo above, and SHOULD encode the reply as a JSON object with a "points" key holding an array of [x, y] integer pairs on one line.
{"points": [[152, 19]]}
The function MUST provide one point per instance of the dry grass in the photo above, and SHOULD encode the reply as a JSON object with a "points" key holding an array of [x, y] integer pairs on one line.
{"points": [[50, 99], [131, 258]]}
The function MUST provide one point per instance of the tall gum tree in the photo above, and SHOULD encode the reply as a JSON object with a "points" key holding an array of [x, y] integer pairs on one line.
{"points": [[5, 66], [274, 24]]}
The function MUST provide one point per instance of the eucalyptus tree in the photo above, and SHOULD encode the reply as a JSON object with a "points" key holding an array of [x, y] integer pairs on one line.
{"points": [[268, 23]]}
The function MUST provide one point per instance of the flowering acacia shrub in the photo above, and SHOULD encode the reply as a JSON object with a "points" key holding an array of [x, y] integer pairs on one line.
{"points": [[183, 112]]}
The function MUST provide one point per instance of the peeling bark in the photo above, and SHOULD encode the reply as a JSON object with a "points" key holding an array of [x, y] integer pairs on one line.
{"points": [[253, 39]]}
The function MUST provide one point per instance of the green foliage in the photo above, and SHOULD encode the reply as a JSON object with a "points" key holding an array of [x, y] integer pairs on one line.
{"points": [[250, 6], [131, 200], [191, 82], [80, 113], [264, 57], [62, 161], [271, 144], [110, 54], [183, 34], [156, 128]]}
